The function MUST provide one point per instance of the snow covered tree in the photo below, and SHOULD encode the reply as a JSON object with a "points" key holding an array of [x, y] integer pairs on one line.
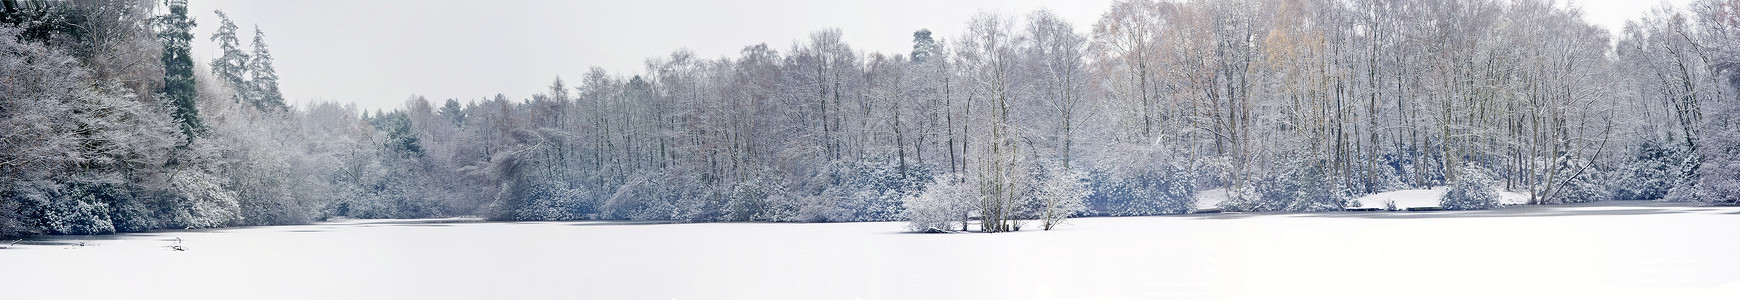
{"points": [[1142, 180], [1647, 172], [1472, 190], [231, 67], [264, 80], [988, 59], [1055, 60], [175, 32], [945, 203], [1718, 178], [1064, 194]]}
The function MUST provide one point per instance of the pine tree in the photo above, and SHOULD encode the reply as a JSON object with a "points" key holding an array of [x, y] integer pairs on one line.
{"points": [[923, 46], [175, 31], [264, 82], [232, 67]]}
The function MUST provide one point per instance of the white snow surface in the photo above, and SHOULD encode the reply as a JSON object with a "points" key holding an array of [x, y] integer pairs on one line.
{"points": [[1610, 250], [1210, 198]]}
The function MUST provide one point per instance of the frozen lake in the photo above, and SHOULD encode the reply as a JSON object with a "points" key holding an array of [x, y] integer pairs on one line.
{"points": [[1613, 250]]}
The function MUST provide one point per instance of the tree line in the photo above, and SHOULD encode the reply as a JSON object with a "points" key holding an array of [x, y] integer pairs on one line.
{"points": [[1283, 105]]}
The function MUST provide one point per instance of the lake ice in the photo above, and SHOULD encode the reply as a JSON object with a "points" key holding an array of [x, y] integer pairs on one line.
{"points": [[1610, 250]]}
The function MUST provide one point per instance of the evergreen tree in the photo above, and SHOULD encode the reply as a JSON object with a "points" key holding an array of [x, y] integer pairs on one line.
{"points": [[451, 109], [923, 46], [232, 67], [265, 79], [175, 31]]}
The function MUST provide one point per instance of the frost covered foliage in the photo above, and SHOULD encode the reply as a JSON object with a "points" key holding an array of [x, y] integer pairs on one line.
{"points": [[80, 152], [1581, 183], [1062, 194], [944, 205], [760, 199], [76, 210], [553, 201], [647, 197], [1141, 181], [1296, 185], [1472, 189], [1718, 176], [531, 190], [1648, 172], [98, 135], [1412, 168], [842, 192], [205, 204], [866, 190]]}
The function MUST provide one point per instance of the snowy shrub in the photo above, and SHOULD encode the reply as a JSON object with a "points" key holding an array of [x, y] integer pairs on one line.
{"points": [[818, 208], [1141, 181], [1063, 194], [1583, 183], [1295, 184], [692, 198], [203, 203], [1387, 178], [11, 221], [554, 201], [944, 204], [1472, 190], [642, 198], [77, 212], [1648, 173], [1412, 172], [1717, 161], [759, 199], [1150, 193], [868, 190], [129, 215]]}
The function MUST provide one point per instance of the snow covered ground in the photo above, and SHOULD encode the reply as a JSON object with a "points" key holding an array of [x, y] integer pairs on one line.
{"points": [[1611, 250], [1429, 198]]}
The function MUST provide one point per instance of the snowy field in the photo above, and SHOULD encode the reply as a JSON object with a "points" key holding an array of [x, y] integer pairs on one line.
{"points": [[1612, 250]]}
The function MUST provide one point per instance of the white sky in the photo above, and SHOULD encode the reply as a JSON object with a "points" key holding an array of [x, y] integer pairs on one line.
{"points": [[377, 53]]}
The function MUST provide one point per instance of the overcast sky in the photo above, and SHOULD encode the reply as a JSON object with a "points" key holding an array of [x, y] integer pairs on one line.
{"points": [[377, 53]]}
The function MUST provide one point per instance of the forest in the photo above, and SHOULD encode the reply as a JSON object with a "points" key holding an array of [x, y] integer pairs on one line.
{"points": [[108, 124]]}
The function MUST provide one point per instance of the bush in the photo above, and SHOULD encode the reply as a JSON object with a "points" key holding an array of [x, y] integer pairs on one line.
{"points": [[759, 199], [201, 202], [1472, 190], [554, 201], [1717, 161], [642, 198], [1141, 181], [1648, 173], [1298, 184], [1584, 187], [77, 211], [858, 191], [944, 203], [1062, 194]]}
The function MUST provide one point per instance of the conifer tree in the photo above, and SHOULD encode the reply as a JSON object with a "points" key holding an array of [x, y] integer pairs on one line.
{"points": [[232, 66], [264, 82], [175, 31]]}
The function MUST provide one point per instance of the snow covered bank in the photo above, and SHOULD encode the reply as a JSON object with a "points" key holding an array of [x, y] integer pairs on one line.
{"points": [[1404, 199], [1536, 252], [1210, 199], [1428, 198]]}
